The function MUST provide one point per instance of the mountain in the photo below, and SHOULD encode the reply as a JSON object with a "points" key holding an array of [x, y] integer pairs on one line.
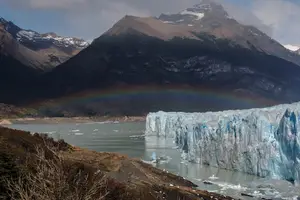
{"points": [[41, 51], [14, 75], [199, 47], [210, 17]]}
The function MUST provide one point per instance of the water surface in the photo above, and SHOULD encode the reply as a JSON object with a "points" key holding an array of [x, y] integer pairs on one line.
{"points": [[128, 138]]}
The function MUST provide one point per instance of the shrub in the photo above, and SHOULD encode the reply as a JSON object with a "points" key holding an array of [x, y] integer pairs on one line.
{"points": [[48, 179]]}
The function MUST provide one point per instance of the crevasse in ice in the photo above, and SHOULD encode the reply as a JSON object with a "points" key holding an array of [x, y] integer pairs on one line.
{"points": [[263, 142]]}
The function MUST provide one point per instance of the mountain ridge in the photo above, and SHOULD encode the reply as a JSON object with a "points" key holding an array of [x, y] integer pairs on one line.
{"points": [[46, 50], [211, 50], [208, 17]]}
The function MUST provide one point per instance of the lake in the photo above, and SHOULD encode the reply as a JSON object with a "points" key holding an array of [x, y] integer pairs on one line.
{"points": [[128, 138]]}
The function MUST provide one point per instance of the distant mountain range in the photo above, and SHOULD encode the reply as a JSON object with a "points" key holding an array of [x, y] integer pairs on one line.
{"points": [[201, 46], [41, 51]]}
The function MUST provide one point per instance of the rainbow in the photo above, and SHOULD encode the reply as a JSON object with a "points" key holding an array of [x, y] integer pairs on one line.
{"points": [[186, 93]]}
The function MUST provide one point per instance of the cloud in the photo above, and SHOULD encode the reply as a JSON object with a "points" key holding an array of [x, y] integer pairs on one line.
{"points": [[95, 18], [90, 18], [43, 4], [283, 16], [245, 16], [54, 4]]}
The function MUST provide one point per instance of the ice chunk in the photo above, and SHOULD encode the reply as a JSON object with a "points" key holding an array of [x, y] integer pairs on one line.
{"points": [[153, 156], [263, 142]]}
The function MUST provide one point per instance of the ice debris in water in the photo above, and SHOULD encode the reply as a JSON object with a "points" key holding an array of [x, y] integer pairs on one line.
{"points": [[153, 156], [261, 141], [213, 177]]}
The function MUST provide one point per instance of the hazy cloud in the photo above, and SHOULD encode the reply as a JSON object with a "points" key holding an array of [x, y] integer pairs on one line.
{"points": [[53, 4], [95, 18], [283, 16], [90, 18]]}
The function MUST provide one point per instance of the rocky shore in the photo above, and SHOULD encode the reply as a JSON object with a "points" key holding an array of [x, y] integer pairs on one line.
{"points": [[61, 120], [38, 167]]}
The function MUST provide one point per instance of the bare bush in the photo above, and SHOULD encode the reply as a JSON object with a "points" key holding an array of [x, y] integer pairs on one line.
{"points": [[48, 179]]}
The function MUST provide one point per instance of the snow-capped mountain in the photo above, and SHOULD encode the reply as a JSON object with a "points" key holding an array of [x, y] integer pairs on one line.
{"points": [[206, 17], [49, 49], [198, 46], [23, 36], [28, 35]]}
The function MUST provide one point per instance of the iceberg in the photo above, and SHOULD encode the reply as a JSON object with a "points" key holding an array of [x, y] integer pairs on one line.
{"points": [[261, 141]]}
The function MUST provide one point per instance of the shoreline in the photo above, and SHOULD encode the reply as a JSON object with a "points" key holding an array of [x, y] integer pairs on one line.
{"points": [[113, 174], [62, 120]]}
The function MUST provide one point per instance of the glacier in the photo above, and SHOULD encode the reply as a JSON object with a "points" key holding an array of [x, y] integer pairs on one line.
{"points": [[260, 141]]}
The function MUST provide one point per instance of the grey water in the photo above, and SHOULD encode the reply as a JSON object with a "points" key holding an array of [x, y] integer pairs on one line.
{"points": [[128, 138]]}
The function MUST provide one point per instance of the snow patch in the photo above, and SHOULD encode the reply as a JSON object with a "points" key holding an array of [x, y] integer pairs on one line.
{"points": [[168, 22], [292, 47], [26, 34], [181, 20], [198, 15], [58, 40]]}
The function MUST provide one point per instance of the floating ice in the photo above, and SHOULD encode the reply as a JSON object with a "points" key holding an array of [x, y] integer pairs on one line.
{"points": [[213, 177], [50, 132], [263, 142], [78, 133], [74, 131], [153, 157]]}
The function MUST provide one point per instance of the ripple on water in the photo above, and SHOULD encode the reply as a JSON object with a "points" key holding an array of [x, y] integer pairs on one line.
{"points": [[50, 132]]}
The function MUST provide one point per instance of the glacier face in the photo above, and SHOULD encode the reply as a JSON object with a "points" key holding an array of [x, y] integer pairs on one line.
{"points": [[263, 142]]}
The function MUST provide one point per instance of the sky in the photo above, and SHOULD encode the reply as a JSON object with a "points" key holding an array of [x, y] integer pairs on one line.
{"points": [[88, 19]]}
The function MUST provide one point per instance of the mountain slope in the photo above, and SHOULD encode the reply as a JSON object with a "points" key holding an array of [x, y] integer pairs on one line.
{"points": [[43, 51], [210, 17], [200, 47], [207, 17], [14, 75]]}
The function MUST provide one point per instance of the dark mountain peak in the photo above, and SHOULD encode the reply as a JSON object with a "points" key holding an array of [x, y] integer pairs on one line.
{"points": [[209, 6], [207, 9]]}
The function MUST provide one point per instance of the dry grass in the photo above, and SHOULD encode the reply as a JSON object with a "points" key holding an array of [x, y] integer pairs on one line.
{"points": [[50, 181]]}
